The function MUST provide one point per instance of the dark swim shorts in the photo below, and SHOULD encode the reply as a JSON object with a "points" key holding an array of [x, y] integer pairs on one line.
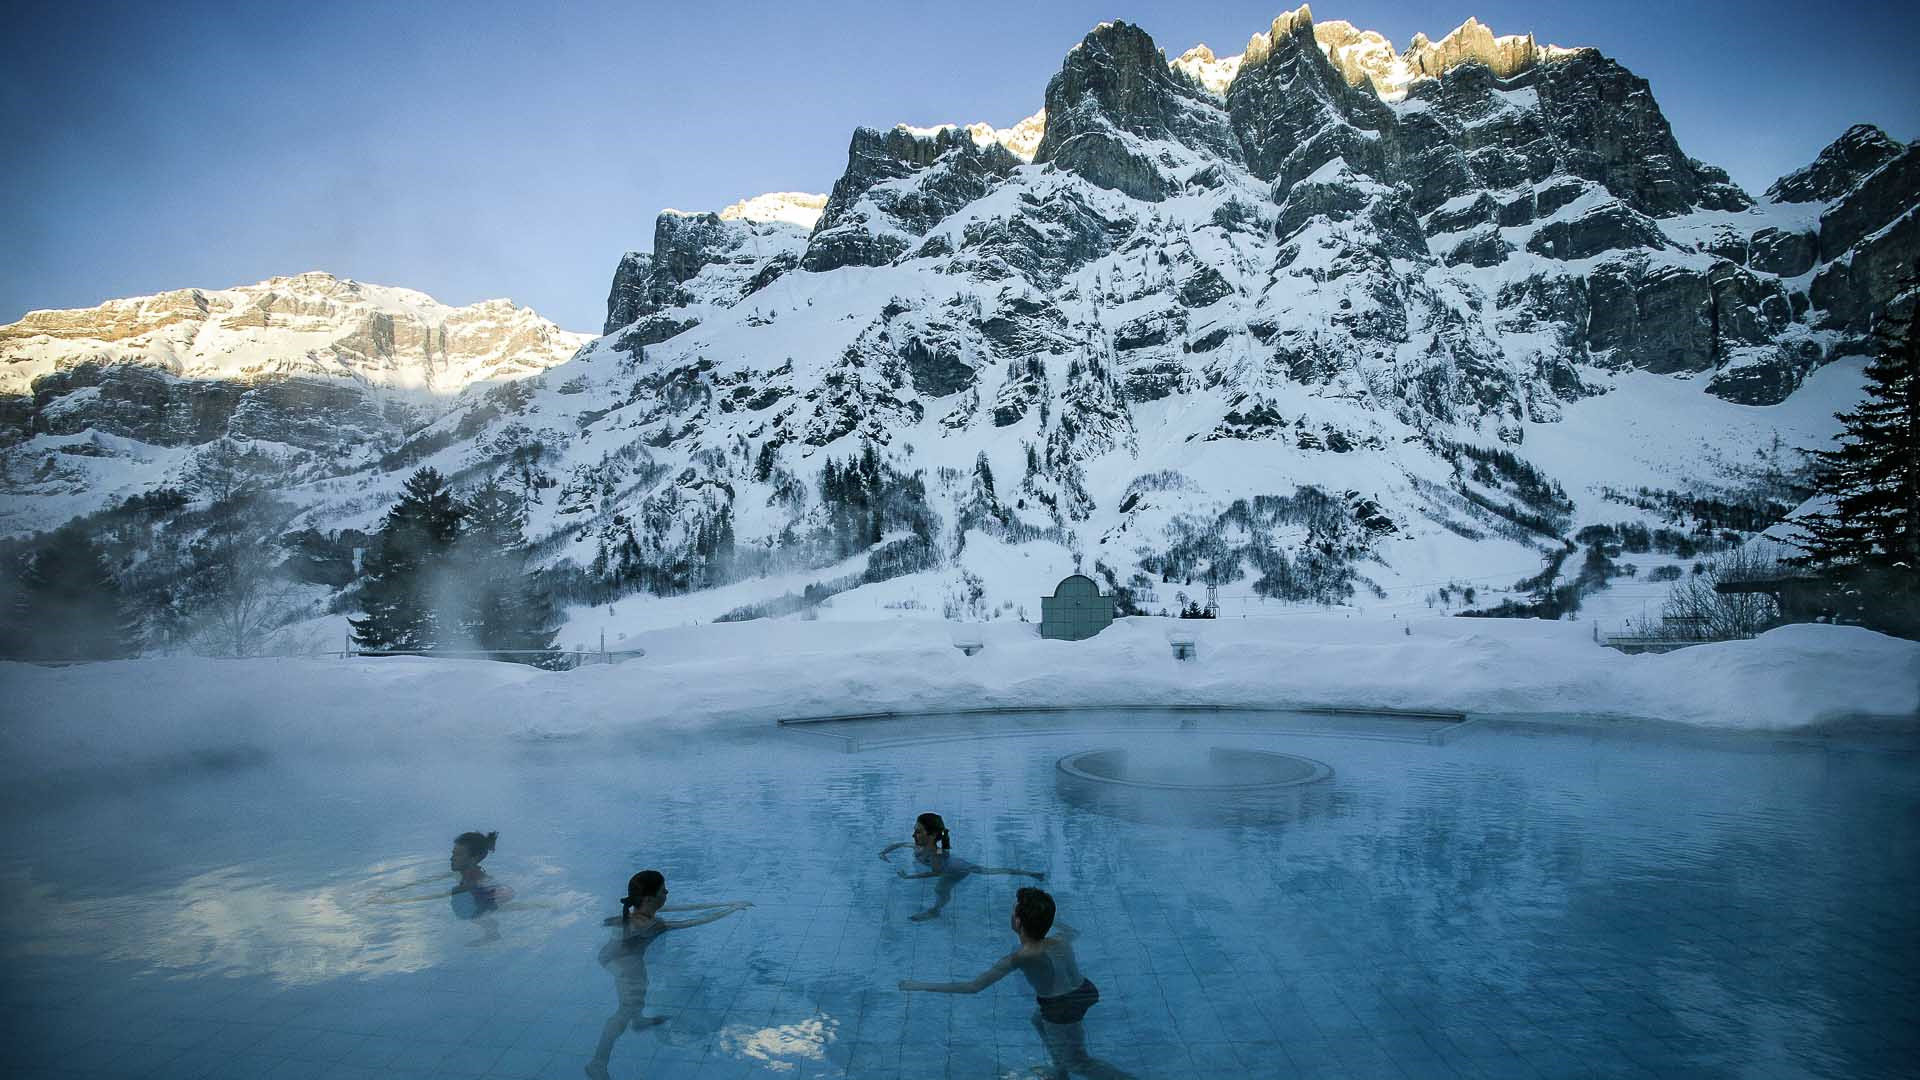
{"points": [[1068, 1008]]}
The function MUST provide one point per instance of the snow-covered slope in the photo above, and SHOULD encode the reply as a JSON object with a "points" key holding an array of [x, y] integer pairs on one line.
{"points": [[1319, 322]]}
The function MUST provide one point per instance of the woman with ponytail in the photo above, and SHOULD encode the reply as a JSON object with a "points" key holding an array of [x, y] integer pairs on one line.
{"points": [[933, 849], [477, 894], [625, 956]]}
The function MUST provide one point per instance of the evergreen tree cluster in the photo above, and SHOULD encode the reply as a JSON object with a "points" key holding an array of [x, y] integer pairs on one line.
{"points": [[59, 600], [1318, 568], [445, 573], [1866, 547], [866, 499]]}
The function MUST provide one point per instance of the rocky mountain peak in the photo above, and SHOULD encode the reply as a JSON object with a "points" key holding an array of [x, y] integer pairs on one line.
{"points": [[1297, 23], [1212, 72], [1367, 57], [898, 184], [1022, 140], [791, 207], [1118, 116], [1844, 162]]}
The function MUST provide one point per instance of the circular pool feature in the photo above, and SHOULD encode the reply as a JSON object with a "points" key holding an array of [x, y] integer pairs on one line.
{"points": [[1221, 769]]}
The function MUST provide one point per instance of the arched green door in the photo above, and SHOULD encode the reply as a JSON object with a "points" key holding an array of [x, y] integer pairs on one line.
{"points": [[1075, 611]]}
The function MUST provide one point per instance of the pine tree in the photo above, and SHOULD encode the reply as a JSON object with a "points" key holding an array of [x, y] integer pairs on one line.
{"points": [[502, 606], [983, 474], [407, 566], [1868, 545], [66, 604]]}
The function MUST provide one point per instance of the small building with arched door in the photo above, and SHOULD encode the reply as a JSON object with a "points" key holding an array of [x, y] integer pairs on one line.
{"points": [[1076, 610]]}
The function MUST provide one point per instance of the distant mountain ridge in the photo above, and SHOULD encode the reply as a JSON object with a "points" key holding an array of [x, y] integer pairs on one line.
{"points": [[186, 366], [1321, 318]]}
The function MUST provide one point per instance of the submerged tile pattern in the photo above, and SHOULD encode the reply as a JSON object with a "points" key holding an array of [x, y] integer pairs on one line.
{"points": [[1510, 904]]}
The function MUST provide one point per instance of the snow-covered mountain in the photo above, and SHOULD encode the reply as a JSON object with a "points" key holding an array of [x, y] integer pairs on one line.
{"points": [[311, 327], [330, 370], [1320, 318]]}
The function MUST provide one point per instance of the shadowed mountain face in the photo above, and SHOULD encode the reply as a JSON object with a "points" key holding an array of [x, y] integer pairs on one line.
{"points": [[1325, 274]]}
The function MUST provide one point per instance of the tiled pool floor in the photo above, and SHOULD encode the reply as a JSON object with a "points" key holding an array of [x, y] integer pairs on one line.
{"points": [[1504, 903]]}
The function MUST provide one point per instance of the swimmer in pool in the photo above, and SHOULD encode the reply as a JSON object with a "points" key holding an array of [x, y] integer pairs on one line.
{"points": [[1062, 995], [625, 957], [932, 848], [476, 896]]}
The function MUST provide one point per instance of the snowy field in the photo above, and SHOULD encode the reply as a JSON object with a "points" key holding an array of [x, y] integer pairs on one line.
{"points": [[734, 675]]}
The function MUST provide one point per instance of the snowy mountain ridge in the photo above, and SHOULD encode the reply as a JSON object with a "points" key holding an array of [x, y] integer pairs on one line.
{"points": [[1271, 330], [311, 323]]}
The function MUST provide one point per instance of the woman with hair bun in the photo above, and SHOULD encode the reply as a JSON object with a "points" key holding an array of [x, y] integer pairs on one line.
{"points": [[476, 896], [933, 848]]}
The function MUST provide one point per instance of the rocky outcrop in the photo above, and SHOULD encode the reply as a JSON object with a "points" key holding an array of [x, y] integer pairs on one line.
{"points": [[1872, 204], [1114, 98], [1783, 252], [1850, 292], [899, 184], [1611, 226], [1650, 316], [1293, 112], [627, 299], [1472, 43], [1846, 161]]}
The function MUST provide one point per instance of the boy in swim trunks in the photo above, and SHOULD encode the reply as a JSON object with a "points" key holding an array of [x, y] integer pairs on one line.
{"points": [[1062, 995]]}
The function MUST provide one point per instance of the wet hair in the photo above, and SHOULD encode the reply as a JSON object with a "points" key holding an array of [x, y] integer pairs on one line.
{"points": [[640, 886], [936, 828], [478, 845], [1034, 908]]}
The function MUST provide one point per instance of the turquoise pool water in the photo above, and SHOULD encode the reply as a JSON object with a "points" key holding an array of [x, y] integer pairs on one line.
{"points": [[1473, 900]]}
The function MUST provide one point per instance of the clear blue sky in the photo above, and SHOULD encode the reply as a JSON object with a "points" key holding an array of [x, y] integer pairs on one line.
{"points": [[493, 150]]}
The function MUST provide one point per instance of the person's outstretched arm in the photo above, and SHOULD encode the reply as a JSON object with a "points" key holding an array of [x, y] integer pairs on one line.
{"points": [[972, 986], [682, 924], [893, 847], [1037, 875], [704, 907], [442, 894]]}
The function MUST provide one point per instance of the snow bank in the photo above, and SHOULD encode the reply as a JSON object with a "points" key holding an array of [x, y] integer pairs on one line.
{"points": [[184, 713]]}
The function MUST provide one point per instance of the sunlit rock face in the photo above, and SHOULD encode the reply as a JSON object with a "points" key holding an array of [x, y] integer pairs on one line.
{"points": [[311, 361]]}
